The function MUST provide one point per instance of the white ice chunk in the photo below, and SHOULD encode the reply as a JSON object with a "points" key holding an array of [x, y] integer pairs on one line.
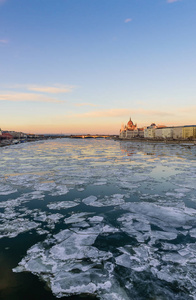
{"points": [[45, 186], [14, 227], [60, 190], [76, 218], [116, 199], [90, 200], [63, 204], [7, 190], [192, 232], [95, 219]]}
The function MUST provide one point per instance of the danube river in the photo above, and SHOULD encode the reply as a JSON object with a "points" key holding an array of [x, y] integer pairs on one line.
{"points": [[98, 219]]}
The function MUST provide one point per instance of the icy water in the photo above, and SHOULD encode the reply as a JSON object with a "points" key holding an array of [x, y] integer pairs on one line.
{"points": [[97, 219]]}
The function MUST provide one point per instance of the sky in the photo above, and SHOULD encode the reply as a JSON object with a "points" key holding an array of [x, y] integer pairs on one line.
{"points": [[87, 66]]}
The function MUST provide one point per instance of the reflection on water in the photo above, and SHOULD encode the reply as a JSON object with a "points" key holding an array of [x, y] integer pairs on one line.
{"points": [[100, 219]]}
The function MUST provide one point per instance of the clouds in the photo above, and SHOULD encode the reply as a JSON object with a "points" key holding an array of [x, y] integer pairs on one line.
{"points": [[172, 1], [35, 93], [127, 20], [84, 104], [119, 113], [27, 97], [46, 89], [56, 89], [3, 41]]}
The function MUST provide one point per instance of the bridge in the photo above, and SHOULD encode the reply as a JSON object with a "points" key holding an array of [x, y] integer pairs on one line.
{"points": [[89, 136]]}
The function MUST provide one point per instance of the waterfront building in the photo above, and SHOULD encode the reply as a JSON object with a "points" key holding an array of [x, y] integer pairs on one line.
{"points": [[0, 131], [189, 132], [6, 135], [127, 131], [5, 138], [146, 132], [149, 132], [18, 135], [177, 132], [131, 131], [160, 132], [131, 134], [141, 132], [167, 132]]}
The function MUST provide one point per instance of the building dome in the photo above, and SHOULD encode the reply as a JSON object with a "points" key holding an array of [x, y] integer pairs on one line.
{"points": [[131, 126]]}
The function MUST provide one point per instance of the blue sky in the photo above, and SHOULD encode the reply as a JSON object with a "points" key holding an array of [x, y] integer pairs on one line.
{"points": [[86, 66]]}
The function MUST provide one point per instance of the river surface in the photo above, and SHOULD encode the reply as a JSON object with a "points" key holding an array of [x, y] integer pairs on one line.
{"points": [[97, 219]]}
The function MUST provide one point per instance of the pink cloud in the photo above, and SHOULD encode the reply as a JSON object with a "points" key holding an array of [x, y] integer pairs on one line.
{"points": [[113, 113], [26, 97], [52, 89], [3, 41], [172, 1], [128, 20], [84, 104]]}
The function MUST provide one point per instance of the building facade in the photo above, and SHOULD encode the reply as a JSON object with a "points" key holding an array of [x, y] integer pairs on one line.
{"points": [[149, 132], [177, 132], [130, 131], [189, 132], [167, 132], [163, 132]]}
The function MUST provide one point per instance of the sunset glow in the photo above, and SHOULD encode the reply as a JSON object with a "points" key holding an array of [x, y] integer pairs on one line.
{"points": [[87, 66]]}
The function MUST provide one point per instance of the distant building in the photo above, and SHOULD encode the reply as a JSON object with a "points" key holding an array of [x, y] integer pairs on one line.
{"points": [[131, 131], [189, 132], [6, 135], [167, 133], [141, 132], [16, 135], [177, 132], [160, 132], [149, 132]]}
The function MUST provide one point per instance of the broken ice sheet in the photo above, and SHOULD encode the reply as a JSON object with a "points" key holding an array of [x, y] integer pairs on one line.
{"points": [[63, 204], [36, 195], [101, 182], [95, 219], [73, 165], [12, 228], [24, 180], [47, 217], [45, 186], [60, 190], [192, 232], [76, 218], [72, 251], [115, 199], [132, 262], [167, 218], [7, 190]]}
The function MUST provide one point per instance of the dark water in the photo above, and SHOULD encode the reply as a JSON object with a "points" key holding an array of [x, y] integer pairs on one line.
{"points": [[97, 219]]}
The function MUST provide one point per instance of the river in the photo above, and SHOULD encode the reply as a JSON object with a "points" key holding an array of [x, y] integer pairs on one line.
{"points": [[97, 219]]}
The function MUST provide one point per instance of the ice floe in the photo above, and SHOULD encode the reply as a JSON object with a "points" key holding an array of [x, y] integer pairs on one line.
{"points": [[7, 190], [111, 243], [115, 199], [72, 251], [12, 228], [63, 204]]}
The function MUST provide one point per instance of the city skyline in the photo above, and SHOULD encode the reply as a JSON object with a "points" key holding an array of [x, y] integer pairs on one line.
{"points": [[73, 66]]}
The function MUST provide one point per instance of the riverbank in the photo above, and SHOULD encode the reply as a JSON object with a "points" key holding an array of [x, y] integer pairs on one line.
{"points": [[177, 142], [154, 141]]}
